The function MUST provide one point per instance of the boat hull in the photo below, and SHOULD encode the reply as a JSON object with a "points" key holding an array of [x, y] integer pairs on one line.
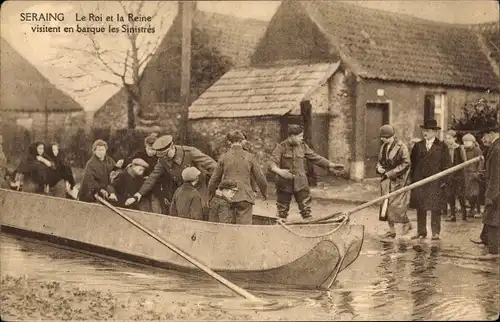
{"points": [[306, 256]]}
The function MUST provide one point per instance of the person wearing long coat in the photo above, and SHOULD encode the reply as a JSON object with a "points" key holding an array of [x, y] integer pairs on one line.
{"points": [[61, 179], [172, 160], [393, 166], [473, 174], [240, 166], [37, 166], [490, 234], [428, 157], [155, 200], [456, 189], [97, 173]]}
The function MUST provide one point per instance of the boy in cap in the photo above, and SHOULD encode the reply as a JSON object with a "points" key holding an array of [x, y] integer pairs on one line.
{"points": [[242, 167], [126, 183], [186, 202], [393, 166], [147, 153], [221, 209], [289, 164]]}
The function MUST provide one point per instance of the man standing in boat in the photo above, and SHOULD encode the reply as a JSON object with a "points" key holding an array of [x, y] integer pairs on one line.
{"points": [[172, 160], [289, 164], [240, 166], [393, 166], [429, 157]]}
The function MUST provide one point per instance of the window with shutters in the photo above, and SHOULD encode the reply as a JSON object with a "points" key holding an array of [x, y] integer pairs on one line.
{"points": [[435, 108]]}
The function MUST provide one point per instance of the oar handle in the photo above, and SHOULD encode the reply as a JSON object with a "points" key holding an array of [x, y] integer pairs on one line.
{"points": [[183, 254], [405, 189]]}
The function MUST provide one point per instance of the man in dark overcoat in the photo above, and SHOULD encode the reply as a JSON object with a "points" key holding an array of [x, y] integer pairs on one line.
{"points": [[428, 157], [240, 166], [491, 218], [172, 159]]}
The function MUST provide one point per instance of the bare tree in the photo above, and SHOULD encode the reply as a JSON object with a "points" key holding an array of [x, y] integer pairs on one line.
{"points": [[117, 58]]}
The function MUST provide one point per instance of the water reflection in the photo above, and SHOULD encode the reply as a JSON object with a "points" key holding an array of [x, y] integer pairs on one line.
{"points": [[388, 281]]}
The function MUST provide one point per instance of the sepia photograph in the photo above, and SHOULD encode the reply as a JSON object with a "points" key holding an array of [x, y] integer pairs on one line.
{"points": [[327, 160]]}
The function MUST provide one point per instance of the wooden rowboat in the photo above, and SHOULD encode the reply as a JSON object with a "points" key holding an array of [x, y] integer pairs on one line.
{"points": [[301, 255]]}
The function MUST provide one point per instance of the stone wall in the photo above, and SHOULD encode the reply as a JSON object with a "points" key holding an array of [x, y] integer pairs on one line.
{"points": [[209, 135]]}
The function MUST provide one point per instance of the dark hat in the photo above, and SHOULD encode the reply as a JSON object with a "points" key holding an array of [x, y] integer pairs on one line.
{"points": [[386, 131], [140, 162], [235, 136], [295, 129], [163, 143], [151, 139], [430, 125], [228, 184]]}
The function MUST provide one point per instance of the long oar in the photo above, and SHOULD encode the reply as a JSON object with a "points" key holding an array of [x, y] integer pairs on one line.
{"points": [[394, 193], [184, 255]]}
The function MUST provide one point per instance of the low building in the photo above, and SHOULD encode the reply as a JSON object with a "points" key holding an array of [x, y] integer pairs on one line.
{"points": [[342, 71], [31, 104]]}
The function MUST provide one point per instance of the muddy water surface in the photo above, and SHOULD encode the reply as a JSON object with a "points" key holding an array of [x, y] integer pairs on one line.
{"points": [[388, 281]]}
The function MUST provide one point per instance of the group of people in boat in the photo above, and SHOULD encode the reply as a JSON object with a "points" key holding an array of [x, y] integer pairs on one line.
{"points": [[46, 167], [398, 166], [180, 180]]}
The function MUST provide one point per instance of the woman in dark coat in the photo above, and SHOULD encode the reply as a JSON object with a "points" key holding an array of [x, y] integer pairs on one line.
{"points": [[473, 174], [96, 176], [62, 169], [37, 166], [456, 189], [428, 157]]}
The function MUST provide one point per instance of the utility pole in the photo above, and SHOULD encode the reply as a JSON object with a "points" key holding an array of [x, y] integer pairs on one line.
{"points": [[186, 10]]}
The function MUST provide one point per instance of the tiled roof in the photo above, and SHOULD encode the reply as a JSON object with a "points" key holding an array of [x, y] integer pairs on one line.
{"points": [[244, 92], [25, 89], [235, 38], [490, 33], [390, 46]]}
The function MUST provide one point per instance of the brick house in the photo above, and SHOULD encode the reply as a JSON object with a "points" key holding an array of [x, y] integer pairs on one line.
{"points": [[343, 71], [30, 103], [219, 42]]}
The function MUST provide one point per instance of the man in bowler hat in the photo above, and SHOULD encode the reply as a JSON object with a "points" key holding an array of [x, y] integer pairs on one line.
{"points": [[428, 157]]}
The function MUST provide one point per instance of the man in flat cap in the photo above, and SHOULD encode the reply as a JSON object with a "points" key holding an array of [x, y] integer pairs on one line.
{"points": [[289, 164], [172, 160], [490, 235], [429, 157], [122, 188], [394, 167], [187, 201], [240, 166], [221, 209]]}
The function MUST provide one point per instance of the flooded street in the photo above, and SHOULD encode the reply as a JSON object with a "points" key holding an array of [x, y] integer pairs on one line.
{"points": [[388, 281]]}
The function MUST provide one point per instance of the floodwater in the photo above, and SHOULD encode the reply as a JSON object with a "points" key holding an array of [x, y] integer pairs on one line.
{"points": [[389, 281]]}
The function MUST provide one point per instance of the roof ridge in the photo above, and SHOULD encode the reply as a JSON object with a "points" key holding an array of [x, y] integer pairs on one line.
{"points": [[229, 16], [397, 15]]}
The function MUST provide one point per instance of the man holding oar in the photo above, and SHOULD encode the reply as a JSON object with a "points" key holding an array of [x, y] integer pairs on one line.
{"points": [[491, 219], [428, 157], [393, 166]]}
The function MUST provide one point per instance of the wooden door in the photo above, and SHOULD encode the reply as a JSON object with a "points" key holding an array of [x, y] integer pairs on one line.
{"points": [[377, 114]]}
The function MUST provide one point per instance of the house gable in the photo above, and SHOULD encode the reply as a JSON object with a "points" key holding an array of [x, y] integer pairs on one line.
{"points": [[292, 35]]}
